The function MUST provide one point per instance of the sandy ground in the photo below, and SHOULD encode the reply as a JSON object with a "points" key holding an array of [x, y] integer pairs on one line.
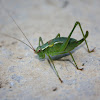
{"points": [[23, 76]]}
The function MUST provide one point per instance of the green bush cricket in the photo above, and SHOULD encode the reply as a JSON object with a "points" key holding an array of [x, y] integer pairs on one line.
{"points": [[58, 45]]}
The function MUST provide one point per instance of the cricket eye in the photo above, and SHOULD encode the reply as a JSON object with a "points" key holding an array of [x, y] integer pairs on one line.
{"points": [[38, 51]]}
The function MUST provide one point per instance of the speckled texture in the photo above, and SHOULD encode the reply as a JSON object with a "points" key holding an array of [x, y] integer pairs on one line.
{"points": [[23, 76]]}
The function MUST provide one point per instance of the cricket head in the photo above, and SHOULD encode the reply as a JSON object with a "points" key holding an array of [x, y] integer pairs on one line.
{"points": [[40, 52]]}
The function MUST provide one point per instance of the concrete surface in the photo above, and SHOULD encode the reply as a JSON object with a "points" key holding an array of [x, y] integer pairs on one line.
{"points": [[23, 76]]}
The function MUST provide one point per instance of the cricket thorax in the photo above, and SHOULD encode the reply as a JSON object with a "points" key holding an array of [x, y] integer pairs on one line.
{"points": [[53, 42]]}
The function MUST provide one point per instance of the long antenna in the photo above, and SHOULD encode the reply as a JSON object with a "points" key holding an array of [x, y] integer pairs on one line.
{"points": [[21, 32], [18, 40]]}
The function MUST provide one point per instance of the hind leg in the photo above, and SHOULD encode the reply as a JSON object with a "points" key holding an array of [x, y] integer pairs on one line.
{"points": [[66, 43]]}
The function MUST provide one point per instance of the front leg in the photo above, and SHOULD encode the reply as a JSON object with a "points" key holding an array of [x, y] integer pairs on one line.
{"points": [[58, 35], [54, 68], [40, 40]]}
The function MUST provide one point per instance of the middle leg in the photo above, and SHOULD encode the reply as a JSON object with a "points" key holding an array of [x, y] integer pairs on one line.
{"points": [[75, 62]]}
